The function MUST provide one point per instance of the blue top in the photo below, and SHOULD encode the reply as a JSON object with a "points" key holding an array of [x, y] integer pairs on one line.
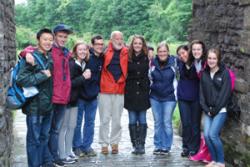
{"points": [[91, 87], [188, 85], [163, 80]]}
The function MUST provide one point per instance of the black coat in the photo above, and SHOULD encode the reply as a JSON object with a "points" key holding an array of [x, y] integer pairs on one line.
{"points": [[215, 93], [77, 80], [137, 84]]}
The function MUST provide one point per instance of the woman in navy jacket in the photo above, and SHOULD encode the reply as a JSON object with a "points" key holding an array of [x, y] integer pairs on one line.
{"points": [[163, 98], [188, 100], [137, 93], [215, 92]]}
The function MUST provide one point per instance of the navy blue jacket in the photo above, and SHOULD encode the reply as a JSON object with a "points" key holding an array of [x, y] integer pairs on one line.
{"points": [[91, 88], [188, 84], [163, 80]]}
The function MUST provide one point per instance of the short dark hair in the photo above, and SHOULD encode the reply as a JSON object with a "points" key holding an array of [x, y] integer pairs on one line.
{"points": [[151, 48], [96, 37], [42, 31]]}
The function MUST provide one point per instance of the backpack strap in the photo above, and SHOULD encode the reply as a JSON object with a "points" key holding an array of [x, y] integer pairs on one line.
{"points": [[40, 62]]}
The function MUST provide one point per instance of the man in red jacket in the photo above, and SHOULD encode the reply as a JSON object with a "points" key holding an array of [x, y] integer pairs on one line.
{"points": [[112, 87], [61, 84]]}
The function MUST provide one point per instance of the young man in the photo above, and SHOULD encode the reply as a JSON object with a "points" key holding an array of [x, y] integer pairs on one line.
{"points": [[111, 98], [39, 108], [87, 102], [61, 84]]}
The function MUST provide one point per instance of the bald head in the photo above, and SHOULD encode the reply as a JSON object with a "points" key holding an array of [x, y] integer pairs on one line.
{"points": [[117, 40]]}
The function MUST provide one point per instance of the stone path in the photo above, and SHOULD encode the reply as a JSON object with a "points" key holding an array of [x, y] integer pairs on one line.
{"points": [[123, 159]]}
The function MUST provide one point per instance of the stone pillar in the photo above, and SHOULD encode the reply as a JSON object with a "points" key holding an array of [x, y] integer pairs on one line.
{"points": [[7, 60], [226, 24]]}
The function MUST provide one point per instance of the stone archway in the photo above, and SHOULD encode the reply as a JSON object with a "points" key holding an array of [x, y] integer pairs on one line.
{"points": [[7, 59], [223, 23]]}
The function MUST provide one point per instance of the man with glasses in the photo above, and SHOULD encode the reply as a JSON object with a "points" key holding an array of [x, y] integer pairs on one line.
{"points": [[87, 102]]}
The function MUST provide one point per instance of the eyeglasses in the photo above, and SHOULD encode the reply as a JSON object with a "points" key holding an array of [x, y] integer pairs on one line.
{"points": [[99, 44]]}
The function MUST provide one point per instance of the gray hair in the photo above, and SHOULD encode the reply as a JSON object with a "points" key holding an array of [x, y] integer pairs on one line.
{"points": [[113, 33]]}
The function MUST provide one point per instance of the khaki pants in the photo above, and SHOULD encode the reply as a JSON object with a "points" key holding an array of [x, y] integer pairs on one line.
{"points": [[110, 109]]}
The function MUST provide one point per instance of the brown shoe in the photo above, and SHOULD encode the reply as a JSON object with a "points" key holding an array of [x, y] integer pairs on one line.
{"points": [[105, 150], [114, 149]]}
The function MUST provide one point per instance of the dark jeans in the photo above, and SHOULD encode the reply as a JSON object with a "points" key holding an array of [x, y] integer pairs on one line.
{"points": [[190, 112], [84, 138], [57, 120], [137, 117], [38, 128]]}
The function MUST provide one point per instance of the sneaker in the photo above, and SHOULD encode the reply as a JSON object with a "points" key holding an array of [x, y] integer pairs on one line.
{"points": [[164, 152], [157, 151], [78, 152], [105, 150], [114, 149], [48, 165], [73, 156], [68, 160], [185, 153], [90, 153], [59, 163]]}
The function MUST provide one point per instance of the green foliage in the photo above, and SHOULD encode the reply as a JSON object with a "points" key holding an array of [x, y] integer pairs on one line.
{"points": [[157, 20], [24, 37]]}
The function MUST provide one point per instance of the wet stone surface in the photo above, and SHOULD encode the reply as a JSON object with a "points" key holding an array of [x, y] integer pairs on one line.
{"points": [[123, 159]]}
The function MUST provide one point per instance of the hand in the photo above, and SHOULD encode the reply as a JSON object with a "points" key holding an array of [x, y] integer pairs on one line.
{"points": [[47, 73], [30, 59], [86, 74]]}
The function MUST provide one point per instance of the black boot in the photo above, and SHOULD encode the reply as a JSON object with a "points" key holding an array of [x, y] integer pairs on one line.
{"points": [[142, 138], [133, 137]]}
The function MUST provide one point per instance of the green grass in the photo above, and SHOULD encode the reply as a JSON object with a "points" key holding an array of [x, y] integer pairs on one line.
{"points": [[176, 117]]}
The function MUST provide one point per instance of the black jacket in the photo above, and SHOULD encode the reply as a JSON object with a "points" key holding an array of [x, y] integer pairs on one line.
{"points": [[29, 75], [137, 84], [77, 80], [215, 93]]}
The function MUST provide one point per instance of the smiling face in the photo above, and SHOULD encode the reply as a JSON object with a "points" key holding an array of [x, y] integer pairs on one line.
{"points": [[137, 45], [117, 41], [98, 46], [212, 60], [81, 51], [61, 38], [162, 53], [183, 55], [197, 51], [45, 42]]}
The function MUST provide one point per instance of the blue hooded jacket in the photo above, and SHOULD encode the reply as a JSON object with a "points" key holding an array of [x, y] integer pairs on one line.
{"points": [[163, 80]]}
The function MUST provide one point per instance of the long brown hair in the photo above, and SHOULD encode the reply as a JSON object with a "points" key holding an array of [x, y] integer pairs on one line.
{"points": [[74, 54], [204, 51], [131, 51]]}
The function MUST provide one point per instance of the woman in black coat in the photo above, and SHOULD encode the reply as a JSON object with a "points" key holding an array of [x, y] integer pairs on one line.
{"points": [[137, 93]]}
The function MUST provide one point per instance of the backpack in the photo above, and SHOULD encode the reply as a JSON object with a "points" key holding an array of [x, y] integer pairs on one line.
{"points": [[17, 96], [233, 108]]}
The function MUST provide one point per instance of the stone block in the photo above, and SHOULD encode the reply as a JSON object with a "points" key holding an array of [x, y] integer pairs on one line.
{"points": [[244, 2], [241, 85], [246, 18], [244, 43]]}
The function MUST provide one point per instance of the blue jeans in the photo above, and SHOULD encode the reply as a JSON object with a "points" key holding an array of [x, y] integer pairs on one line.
{"points": [[137, 117], [57, 120], [88, 108], [163, 113], [212, 128], [190, 112], [38, 128]]}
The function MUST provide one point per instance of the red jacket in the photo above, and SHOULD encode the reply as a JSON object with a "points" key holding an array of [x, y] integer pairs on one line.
{"points": [[108, 83], [60, 74]]}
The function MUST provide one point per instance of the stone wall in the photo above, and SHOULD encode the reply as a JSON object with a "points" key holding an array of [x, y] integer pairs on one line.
{"points": [[7, 60], [226, 24]]}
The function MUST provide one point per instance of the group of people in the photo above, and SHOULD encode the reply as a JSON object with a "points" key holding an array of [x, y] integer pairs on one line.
{"points": [[75, 83]]}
